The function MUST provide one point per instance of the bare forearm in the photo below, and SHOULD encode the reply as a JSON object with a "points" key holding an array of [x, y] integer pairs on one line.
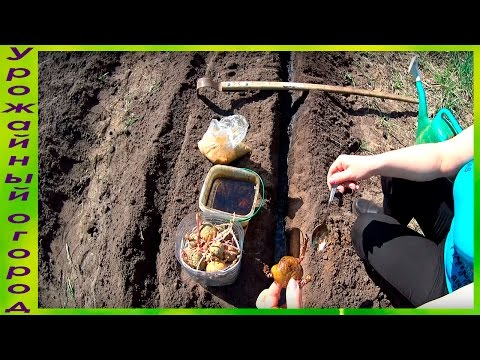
{"points": [[426, 162], [416, 163]]}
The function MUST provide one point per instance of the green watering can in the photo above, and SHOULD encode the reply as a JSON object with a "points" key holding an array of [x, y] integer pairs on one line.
{"points": [[443, 126]]}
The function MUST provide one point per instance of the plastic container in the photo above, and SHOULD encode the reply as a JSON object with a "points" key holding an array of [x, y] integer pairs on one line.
{"points": [[219, 278], [242, 177]]}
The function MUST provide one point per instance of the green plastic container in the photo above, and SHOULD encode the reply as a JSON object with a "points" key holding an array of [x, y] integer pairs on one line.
{"points": [[443, 126]]}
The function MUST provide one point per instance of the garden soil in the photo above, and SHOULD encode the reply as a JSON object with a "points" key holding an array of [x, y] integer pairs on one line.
{"points": [[120, 167]]}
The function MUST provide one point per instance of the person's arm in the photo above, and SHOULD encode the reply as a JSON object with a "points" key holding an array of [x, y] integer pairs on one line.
{"points": [[425, 162], [421, 162]]}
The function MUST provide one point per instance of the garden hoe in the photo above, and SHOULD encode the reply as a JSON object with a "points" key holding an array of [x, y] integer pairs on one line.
{"points": [[274, 85]]}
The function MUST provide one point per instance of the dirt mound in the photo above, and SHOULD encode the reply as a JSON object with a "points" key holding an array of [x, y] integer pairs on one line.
{"points": [[120, 168], [321, 132]]}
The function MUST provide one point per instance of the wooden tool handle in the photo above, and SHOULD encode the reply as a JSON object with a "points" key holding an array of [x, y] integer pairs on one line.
{"points": [[275, 85]]}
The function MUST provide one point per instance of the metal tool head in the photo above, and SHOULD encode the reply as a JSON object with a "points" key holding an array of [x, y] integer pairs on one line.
{"points": [[332, 193], [207, 82], [413, 68], [320, 232], [320, 235]]}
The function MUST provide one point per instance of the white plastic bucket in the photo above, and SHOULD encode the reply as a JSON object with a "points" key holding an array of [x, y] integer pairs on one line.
{"points": [[218, 278]]}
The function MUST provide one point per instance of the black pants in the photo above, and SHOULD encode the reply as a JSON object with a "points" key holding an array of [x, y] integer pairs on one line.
{"points": [[410, 266]]}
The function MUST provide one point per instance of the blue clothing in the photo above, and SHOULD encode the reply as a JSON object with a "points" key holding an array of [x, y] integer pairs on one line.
{"points": [[458, 255]]}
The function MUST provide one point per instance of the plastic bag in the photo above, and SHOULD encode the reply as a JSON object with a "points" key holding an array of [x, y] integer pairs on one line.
{"points": [[223, 141]]}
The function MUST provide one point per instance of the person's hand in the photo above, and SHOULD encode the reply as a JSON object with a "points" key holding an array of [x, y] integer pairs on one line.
{"points": [[270, 297], [347, 170]]}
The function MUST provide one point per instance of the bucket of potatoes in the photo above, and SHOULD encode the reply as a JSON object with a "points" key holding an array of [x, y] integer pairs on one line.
{"points": [[209, 248]]}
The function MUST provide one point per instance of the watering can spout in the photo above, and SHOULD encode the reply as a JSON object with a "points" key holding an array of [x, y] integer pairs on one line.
{"points": [[423, 120], [413, 68]]}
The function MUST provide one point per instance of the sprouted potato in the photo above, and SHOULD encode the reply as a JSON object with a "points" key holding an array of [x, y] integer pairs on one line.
{"points": [[210, 247], [289, 267]]}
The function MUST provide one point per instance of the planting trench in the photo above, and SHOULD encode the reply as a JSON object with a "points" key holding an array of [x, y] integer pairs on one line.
{"points": [[120, 168]]}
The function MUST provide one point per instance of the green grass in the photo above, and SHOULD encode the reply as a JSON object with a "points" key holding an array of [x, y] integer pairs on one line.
{"points": [[382, 122], [70, 288], [365, 146], [464, 67], [131, 119], [103, 78], [452, 73], [350, 79], [157, 85], [397, 82]]}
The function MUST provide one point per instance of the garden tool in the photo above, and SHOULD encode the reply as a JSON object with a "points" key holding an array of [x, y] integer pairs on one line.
{"points": [[320, 233], [443, 126], [276, 85]]}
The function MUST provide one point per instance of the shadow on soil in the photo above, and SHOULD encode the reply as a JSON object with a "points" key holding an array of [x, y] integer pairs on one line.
{"points": [[369, 111]]}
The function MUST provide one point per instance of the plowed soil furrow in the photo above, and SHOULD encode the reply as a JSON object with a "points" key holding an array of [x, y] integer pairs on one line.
{"points": [[261, 111], [321, 132], [67, 100]]}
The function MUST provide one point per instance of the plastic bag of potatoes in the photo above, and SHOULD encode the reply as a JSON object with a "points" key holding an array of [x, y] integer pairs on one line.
{"points": [[223, 141]]}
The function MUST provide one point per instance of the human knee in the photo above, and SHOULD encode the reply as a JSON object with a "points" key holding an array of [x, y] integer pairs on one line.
{"points": [[358, 229]]}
